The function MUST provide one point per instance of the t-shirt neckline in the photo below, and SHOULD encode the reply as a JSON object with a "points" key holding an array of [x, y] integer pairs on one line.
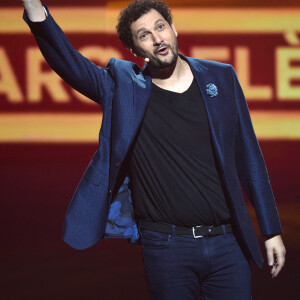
{"points": [[168, 92]]}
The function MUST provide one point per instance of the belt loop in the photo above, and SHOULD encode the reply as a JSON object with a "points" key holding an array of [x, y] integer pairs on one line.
{"points": [[224, 229]]}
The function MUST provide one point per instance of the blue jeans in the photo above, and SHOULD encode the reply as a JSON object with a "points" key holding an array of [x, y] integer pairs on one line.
{"points": [[181, 267]]}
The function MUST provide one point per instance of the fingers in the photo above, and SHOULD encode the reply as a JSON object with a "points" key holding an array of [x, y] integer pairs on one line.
{"points": [[270, 256], [275, 254], [280, 260]]}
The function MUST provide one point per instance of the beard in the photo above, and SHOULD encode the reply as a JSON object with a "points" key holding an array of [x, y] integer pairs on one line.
{"points": [[157, 61]]}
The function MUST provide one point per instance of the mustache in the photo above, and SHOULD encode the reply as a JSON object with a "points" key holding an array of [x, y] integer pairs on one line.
{"points": [[163, 45]]}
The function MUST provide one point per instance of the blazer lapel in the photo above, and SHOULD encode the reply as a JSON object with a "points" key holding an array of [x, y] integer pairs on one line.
{"points": [[218, 113], [141, 93], [203, 77], [131, 114], [221, 119]]}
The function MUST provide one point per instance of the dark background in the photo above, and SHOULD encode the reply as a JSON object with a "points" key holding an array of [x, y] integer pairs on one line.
{"points": [[37, 181]]}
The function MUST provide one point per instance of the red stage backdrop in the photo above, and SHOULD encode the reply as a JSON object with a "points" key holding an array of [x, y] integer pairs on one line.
{"points": [[261, 43], [48, 133]]}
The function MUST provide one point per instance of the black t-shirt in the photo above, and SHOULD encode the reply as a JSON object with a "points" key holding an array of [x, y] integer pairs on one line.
{"points": [[173, 174]]}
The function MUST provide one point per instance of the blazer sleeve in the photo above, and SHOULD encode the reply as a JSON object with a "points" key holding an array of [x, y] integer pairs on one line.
{"points": [[79, 72], [251, 167]]}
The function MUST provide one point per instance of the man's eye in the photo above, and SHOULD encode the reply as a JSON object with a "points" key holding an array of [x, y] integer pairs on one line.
{"points": [[161, 26], [142, 36]]}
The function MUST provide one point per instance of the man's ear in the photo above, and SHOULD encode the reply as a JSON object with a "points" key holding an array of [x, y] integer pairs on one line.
{"points": [[132, 52], [174, 29]]}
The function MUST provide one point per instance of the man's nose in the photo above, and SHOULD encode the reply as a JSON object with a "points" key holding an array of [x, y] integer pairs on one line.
{"points": [[157, 39]]}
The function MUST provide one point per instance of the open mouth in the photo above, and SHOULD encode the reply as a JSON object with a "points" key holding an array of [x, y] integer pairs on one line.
{"points": [[162, 50]]}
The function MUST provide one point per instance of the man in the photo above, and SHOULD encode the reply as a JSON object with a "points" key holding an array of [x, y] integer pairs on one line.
{"points": [[175, 140]]}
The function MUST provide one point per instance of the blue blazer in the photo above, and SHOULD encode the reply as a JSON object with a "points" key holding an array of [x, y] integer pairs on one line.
{"points": [[102, 204]]}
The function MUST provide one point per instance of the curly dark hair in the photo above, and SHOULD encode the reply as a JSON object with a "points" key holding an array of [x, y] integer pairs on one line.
{"points": [[134, 11]]}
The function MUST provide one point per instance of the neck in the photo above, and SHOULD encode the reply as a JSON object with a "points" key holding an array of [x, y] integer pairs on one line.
{"points": [[171, 73]]}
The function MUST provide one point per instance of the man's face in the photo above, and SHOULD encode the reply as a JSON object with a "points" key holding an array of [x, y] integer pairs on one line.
{"points": [[153, 37]]}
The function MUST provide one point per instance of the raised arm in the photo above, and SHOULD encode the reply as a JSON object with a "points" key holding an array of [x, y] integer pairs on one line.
{"points": [[79, 72]]}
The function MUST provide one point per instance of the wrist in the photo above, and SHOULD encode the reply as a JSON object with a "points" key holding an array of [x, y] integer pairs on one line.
{"points": [[268, 237]]}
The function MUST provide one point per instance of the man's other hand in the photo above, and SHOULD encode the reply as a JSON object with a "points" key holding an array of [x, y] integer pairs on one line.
{"points": [[275, 253]]}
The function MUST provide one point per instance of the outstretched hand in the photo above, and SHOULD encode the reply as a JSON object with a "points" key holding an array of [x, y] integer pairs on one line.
{"points": [[275, 254]]}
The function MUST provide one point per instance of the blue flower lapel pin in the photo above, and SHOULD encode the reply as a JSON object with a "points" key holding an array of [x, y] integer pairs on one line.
{"points": [[211, 90]]}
